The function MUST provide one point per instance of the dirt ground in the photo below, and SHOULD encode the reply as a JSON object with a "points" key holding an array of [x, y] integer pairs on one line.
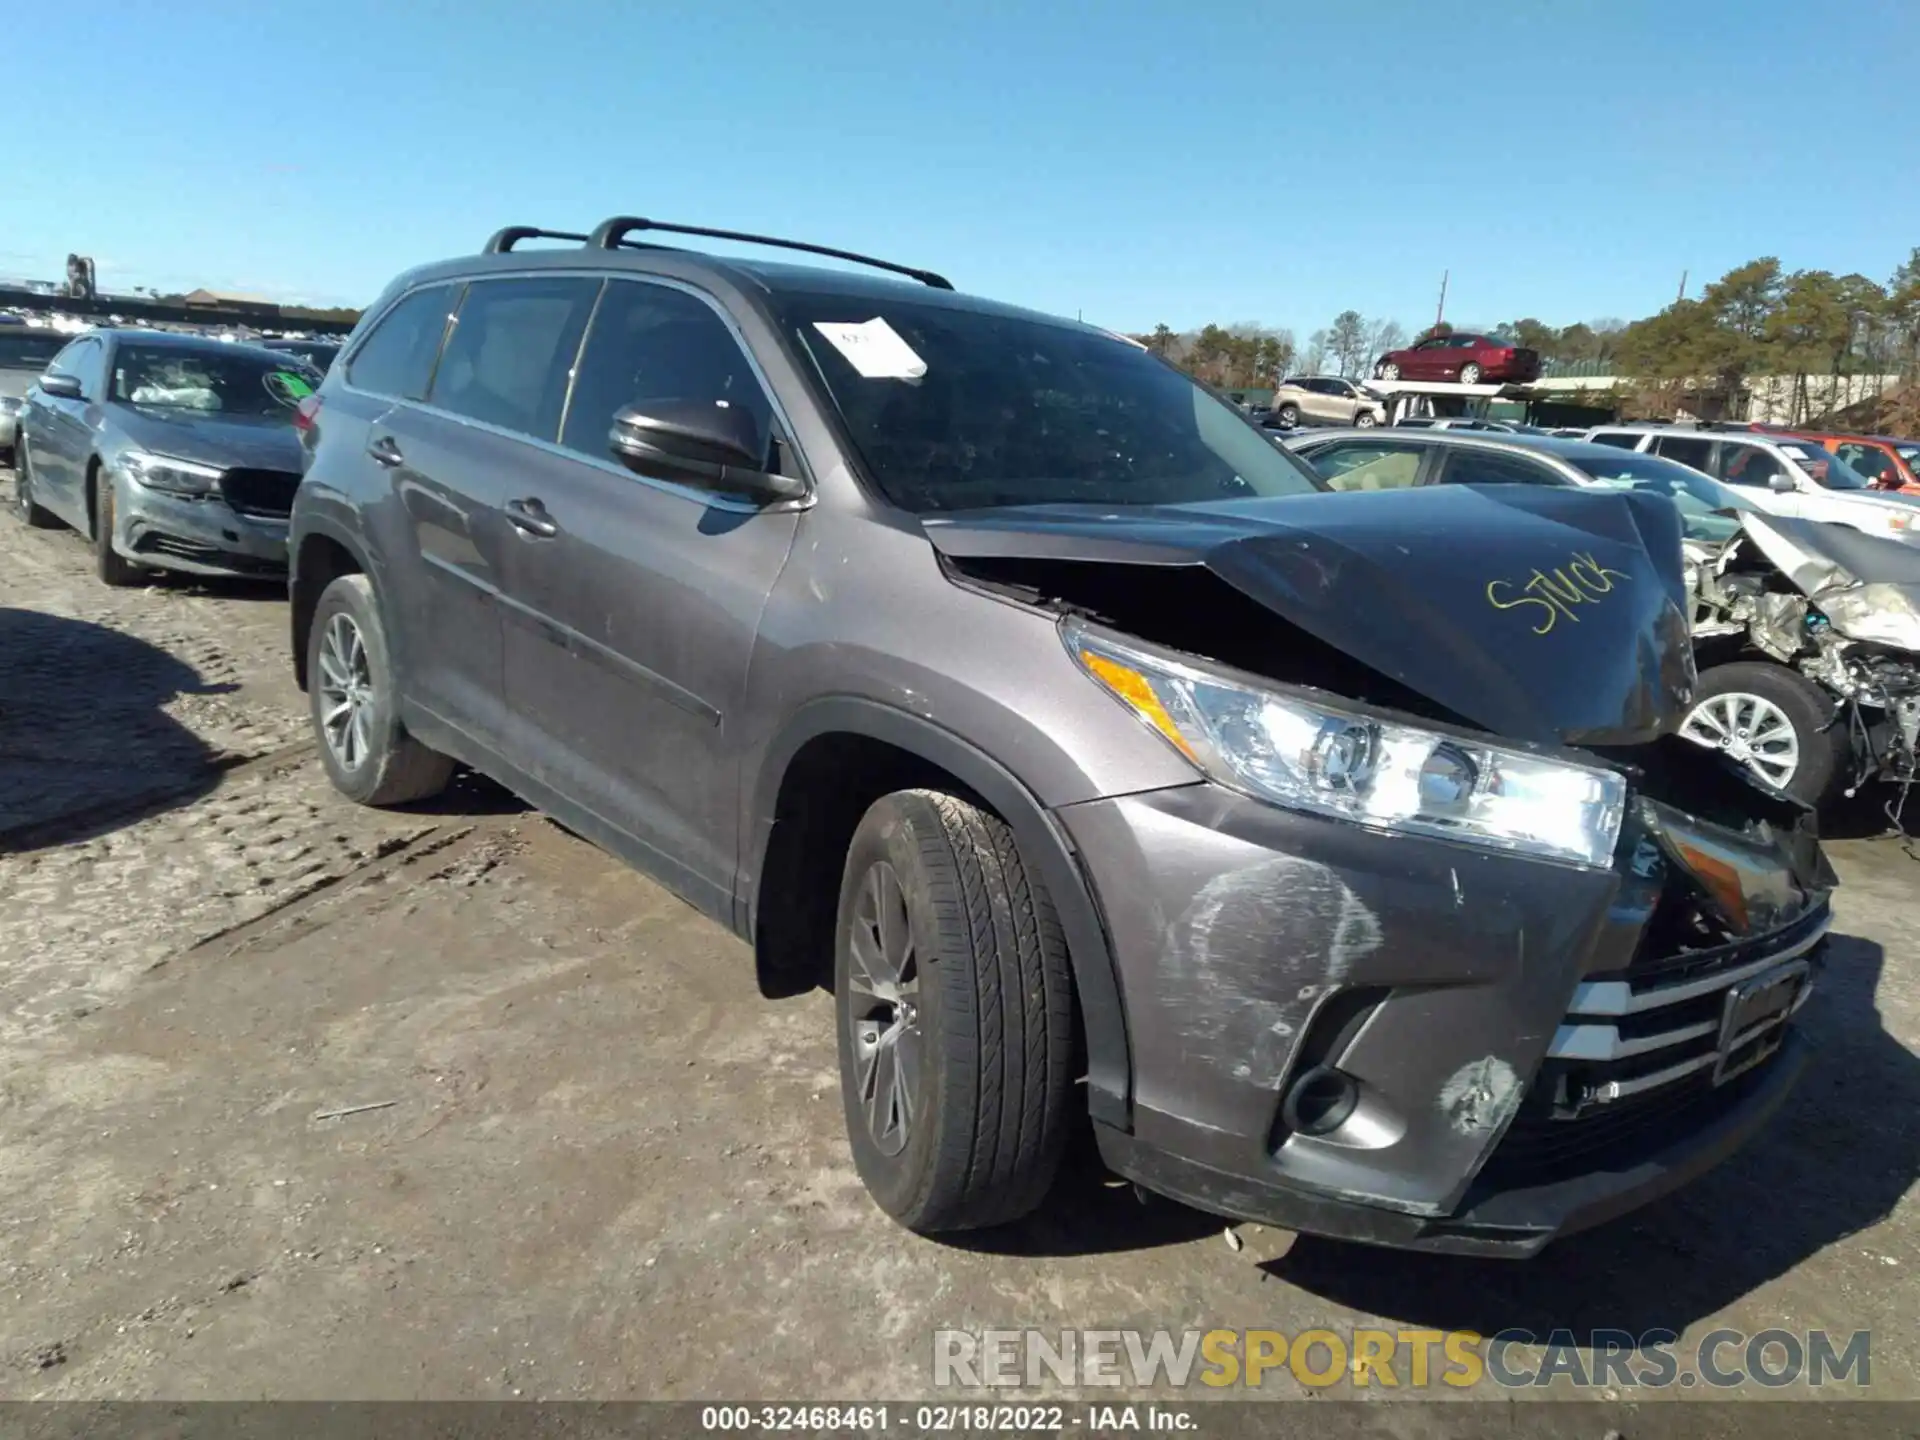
{"points": [[602, 1165]]}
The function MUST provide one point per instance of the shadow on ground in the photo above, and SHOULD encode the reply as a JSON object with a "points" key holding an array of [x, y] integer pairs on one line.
{"points": [[1838, 1157], [85, 741]]}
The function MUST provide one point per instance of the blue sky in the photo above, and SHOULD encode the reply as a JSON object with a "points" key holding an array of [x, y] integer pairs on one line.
{"points": [[1177, 162]]}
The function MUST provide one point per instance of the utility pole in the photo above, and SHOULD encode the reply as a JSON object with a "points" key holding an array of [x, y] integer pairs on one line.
{"points": [[1683, 288], [1441, 313]]}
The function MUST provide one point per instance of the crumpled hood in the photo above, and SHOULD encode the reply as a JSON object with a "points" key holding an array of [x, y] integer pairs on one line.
{"points": [[263, 443], [1542, 613], [1868, 587]]}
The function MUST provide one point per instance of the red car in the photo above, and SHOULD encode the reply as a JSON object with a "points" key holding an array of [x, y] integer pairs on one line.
{"points": [[1467, 359]]}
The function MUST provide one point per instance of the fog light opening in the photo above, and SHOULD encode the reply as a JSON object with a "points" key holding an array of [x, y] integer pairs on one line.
{"points": [[1319, 1102]]}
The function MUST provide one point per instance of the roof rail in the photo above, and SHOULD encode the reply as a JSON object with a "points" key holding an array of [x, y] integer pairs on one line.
{"points": [[501, 241], [612, 234]]}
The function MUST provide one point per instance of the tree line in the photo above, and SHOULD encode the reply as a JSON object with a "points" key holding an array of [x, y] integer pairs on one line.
{"points": [[1813, 329]]}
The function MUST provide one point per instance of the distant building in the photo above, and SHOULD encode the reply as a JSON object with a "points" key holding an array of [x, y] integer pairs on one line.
{"points": [[223, 297]]}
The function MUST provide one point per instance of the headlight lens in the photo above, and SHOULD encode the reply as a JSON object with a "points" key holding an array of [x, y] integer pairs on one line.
{"points": [[1315, 756], [9, 404], [163, 472]]}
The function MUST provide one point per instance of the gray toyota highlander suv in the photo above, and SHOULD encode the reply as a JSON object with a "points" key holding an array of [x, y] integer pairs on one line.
{"points": [[1332, 852]]}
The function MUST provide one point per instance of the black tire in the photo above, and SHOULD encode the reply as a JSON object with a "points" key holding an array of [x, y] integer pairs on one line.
{"points": [[1823, 746], [108, 563], [382, 765], [1288, 416], [1365, 419], [1388, 371], [1469, 374], [36, 517], [992, 1004]]}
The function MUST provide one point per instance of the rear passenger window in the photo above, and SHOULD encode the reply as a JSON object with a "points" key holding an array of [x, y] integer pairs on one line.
{"points": [[652, 342], [1694, 453], [1619, 439], [512, 351], [397, 358]]}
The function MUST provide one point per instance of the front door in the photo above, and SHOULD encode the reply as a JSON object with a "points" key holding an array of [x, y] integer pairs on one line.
{"points": [[62, 434], [634, 603]]}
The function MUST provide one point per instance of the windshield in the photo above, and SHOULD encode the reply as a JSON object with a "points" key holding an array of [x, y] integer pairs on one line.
{"points": [[954, 409], [223, 382], [1697, 497], [1827, 469], [27, 349]]}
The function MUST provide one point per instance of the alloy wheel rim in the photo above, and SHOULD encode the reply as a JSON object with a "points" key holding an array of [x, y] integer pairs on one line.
{"points": [[1751, 730], [346, 692], [1392, 372], [883, 1000]]}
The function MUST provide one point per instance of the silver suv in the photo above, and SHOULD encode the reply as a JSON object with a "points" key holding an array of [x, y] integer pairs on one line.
{"points": [[1326, 400], [986, 669]]}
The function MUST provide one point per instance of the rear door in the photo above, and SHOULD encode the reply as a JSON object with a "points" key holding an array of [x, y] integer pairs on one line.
{"points": [[399, 464], [633, 617], [62, 437]]}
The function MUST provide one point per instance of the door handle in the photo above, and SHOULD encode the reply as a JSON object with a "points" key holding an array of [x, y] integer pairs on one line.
{"points": [[531, 517], [383, 449]]}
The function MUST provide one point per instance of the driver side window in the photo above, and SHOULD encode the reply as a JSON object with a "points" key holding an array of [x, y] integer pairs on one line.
{"points": [[1748, 465]]}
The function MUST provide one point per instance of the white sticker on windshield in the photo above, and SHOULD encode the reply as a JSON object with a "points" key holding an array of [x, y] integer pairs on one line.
{"points": [[874, 348]]}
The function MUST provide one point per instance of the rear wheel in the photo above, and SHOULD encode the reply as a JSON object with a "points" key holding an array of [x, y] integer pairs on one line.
{"points": [[30, 514], [109, 564], [1775, 722], [1469, 374], [955, 1015], [355, 704]]}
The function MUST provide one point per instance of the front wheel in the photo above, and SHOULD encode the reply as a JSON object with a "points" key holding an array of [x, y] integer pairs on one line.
{"points": [[1365, 420], [1389, 371], [955, 1015], [109, 564], [1288, 415], [1775, 722]]}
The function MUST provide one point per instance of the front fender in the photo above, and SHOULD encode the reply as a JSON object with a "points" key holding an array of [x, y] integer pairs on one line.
{"points": [[1043, 842]]}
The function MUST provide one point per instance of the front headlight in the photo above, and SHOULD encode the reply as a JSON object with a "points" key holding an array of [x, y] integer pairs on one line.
{"points": [[9, 404], [163, 472], [1310, 754]]}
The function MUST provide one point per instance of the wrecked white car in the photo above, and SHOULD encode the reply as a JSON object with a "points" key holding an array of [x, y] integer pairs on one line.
{"points": [[1808, 640]]}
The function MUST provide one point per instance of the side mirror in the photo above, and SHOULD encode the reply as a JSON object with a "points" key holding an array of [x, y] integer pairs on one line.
{"points": [[61, 387], [699, 442], [1783, 483]]}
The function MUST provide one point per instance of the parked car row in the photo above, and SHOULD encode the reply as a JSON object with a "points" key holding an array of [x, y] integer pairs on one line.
{"points": [[1323, 841]]}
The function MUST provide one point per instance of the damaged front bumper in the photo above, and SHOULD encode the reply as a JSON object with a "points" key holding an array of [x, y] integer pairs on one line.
{"points": [[1417, 1043]]}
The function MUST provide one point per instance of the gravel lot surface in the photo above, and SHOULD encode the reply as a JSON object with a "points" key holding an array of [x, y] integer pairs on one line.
{"points": [[602, 1164]]}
